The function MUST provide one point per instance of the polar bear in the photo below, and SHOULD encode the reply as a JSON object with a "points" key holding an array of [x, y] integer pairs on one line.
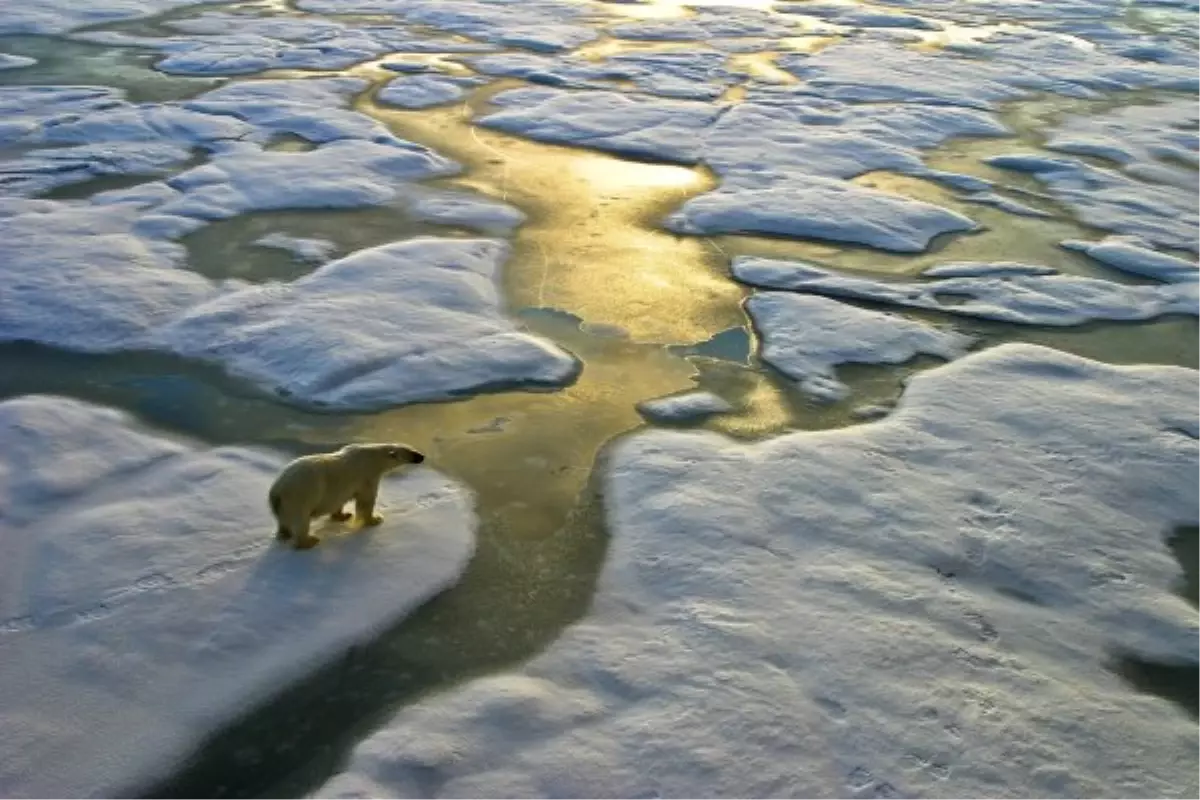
{"points": [[316, 485]]}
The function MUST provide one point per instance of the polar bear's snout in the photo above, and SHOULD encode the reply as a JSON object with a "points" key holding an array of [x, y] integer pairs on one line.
{"points": [[405, 455]]}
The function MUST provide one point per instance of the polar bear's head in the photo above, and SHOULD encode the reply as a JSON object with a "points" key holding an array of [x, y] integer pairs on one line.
{"points": [[387, 456]]}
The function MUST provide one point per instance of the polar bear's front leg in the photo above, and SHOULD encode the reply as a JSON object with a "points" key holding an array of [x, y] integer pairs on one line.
{"points": [[304, 539], [364, 504]]}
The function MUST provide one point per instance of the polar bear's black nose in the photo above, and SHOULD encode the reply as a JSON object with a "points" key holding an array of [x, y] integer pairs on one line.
{"points": [[418, 457]]}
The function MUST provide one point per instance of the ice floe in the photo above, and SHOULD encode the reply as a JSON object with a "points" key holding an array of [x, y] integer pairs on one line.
{"points": [[408, 321], [1003, 67], [780, 187], [667, 129], [545, 25], [928, 605], [820, 208], [10, 61], [62, 16], [687, 407], [314, 251], [1004, 292], [1159, 213], [805, 337], [415, 320], [219, 43], [147, 604], [424, 91]]}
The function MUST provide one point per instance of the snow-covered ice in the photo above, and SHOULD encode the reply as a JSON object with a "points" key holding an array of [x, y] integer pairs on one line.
{"points": [[62, 16], [423, 91], [1003, 67], [400, 323], [1130, 255], [805, 337], [1150, 193], [820, 208], [10, 61], [341, 174], [544, 25], [779, 159], [670, 130], [146, 603], [314, 251], [1022, 295], [410, 321], [927, 605], [687, 407]]}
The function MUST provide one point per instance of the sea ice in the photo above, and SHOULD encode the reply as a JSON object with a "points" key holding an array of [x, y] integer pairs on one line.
{"points": [[686, 407], [411, 321], [805, 337], [1003, 67], [820, 208], [665, 129], [1158, 212], [10, 61], [545, 25], [241, 44], [77, 277], [314, 251], [423, 91], [62, 16], [147, 604], [1130, 255], [1023, 297], [340, 174], [405, 322], [706, 25], [930, 605], [775, 158]]}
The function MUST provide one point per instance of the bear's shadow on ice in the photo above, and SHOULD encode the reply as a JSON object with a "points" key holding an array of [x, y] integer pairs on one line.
{"points": [[1174, 681]]}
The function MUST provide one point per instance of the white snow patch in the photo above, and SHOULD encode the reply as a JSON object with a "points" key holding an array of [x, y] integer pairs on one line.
{"points": [[820, 208], [314, 251], [219, 43], [407, 322], [340, 174], [988, 292], [925, 606], [1130, 255], [146, 603], [400, 323], [423, 91], [62, 16], [1158, 212], [775, 158], [806, 337], [686, 407], [1003, 67], [665, 129], [546, 25], [10, 61]]}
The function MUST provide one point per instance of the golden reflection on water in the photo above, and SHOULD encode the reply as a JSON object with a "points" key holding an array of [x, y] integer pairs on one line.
{"points": [[590, 246]]}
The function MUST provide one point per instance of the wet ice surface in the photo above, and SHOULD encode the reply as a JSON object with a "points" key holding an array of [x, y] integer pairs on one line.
{"points": [[855, 613], [999, 532], [685, 407], [147, 602], [130, 293], [1026, 295], [805, 337]]}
